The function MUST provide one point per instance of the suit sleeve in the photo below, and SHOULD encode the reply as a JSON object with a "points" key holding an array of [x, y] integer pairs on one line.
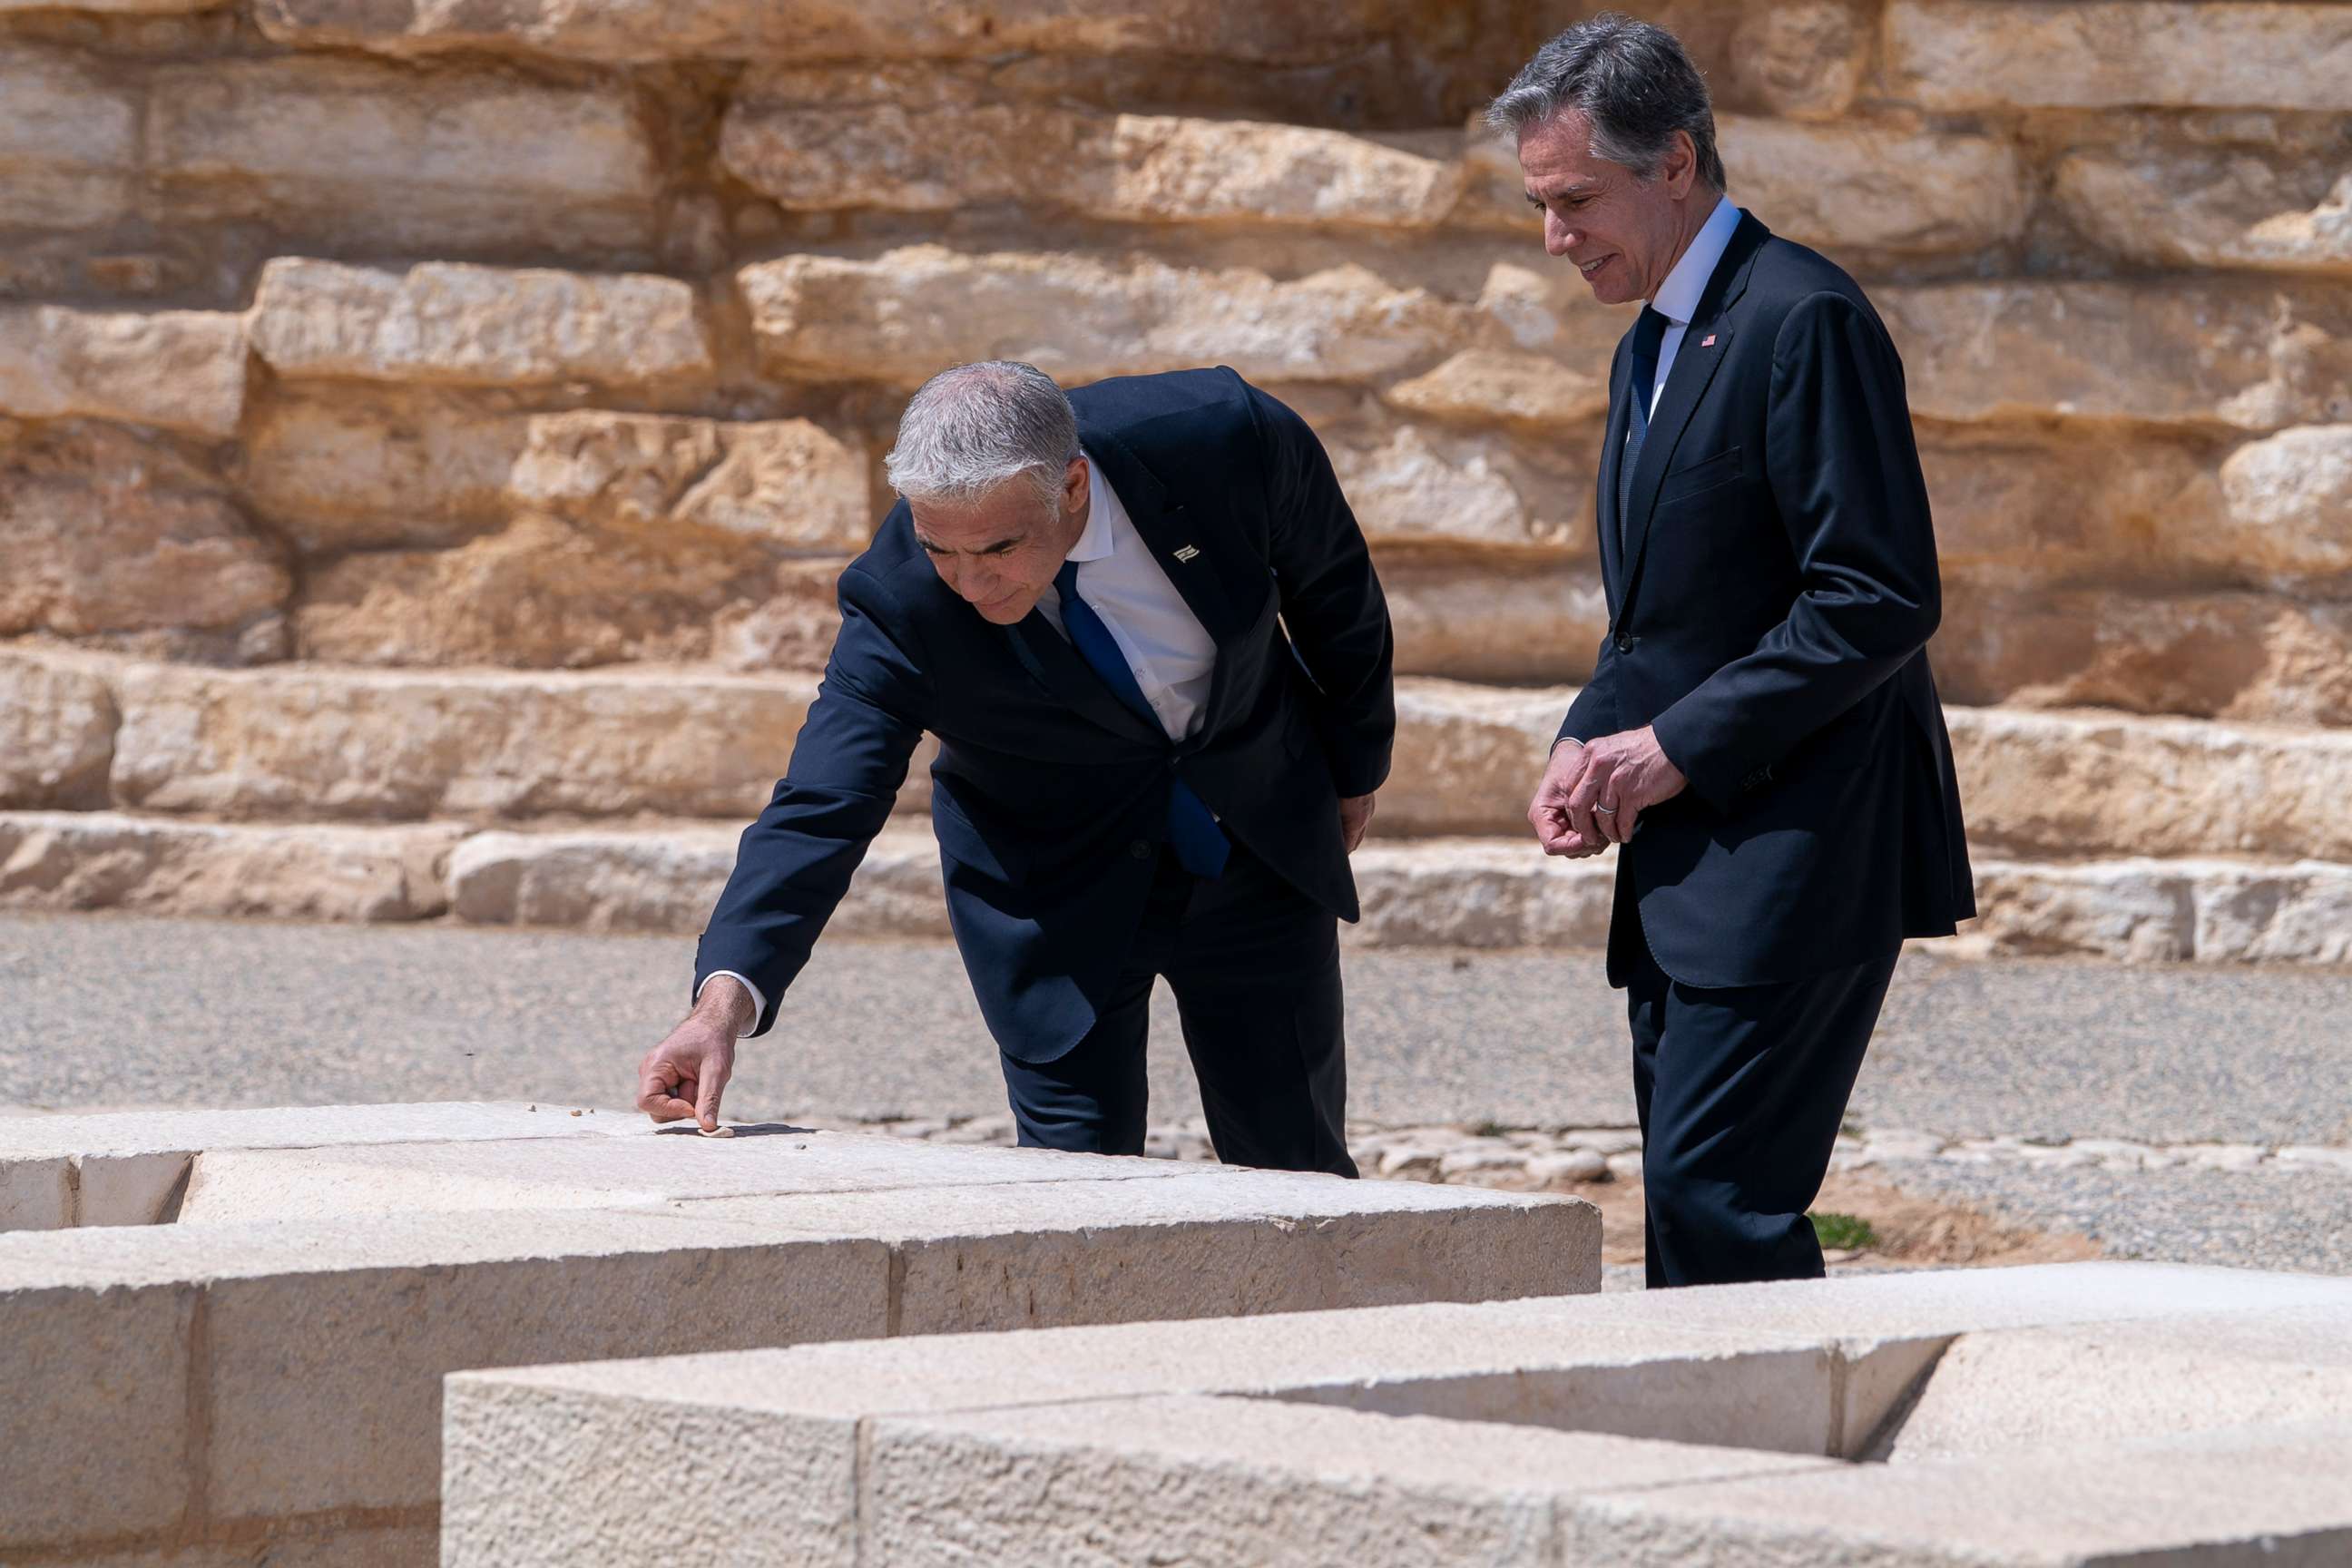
{"points": [[1845, 474], [1331, 599], [1594, 712], [793, 863]]}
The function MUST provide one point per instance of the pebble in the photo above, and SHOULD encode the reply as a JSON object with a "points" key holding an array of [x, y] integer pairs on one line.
{"points": [[1572, 1166]]}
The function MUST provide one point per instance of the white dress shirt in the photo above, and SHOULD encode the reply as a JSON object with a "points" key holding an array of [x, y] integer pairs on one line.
{"points": [[1172, 654], [1678, 297]]}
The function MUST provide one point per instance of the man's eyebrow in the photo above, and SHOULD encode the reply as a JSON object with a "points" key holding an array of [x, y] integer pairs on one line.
{"points": [[1575, 188], [936, 548]]}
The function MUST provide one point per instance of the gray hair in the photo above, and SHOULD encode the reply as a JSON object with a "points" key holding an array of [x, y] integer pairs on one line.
{"points": [[973, 428], [1633, 83]]}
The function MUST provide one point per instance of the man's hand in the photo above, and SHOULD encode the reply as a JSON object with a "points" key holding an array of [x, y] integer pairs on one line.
{"points": [[1355, 815], [1548, 813], [686, 1074], [1621, 776]]}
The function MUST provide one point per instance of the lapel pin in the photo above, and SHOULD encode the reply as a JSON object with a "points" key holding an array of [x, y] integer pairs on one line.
{"points": [[1707, 341], [1186, 553]]}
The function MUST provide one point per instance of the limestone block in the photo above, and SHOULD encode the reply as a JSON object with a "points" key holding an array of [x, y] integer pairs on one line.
{"points": [[785, 483], [1856, 185], [2299, 913], [2257, 657], [1467, 620], [2074, 784], [452, 324], [2077, 506], [2224, 1498], [2136, 911], [640, 31], [1226, 1480], [104, 533], [402, 158], [121, 1134], [179, 370], [2255, 358], [550, 594], [333, 468], [69, 142], [2181, 54], [35, 1194], [1453, 892], [301, 1422], [2290, 501], [2241, 206], [414, 745], [902, 315], [97, 859], [1804, 59], [56, 733], [667, 880], [865, 138], [1422, 486], [1467, 757], [95, 1421], [1506, 384], [637, 1167], [1990, 1394]]}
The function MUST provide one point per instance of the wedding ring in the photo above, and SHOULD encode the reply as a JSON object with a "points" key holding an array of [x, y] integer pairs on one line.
{"points": [[1606, 810]]}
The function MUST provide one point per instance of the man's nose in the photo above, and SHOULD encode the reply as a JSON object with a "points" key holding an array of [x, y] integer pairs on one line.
{"points": [[1558, 238]]}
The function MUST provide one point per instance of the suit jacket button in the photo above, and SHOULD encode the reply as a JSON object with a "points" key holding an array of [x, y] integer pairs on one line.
{"points": [[1624, 643], [1140, 849]]}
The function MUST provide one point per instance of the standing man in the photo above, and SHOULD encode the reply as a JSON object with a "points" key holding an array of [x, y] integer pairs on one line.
{"points": [[1144, 625], [1760, 734]]}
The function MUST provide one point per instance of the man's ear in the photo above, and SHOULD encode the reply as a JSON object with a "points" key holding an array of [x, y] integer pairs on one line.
{"points": [[1679, 167], [1075, 480]]}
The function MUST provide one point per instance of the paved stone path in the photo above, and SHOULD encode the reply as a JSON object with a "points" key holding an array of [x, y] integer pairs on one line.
{"points": [[112, 1011]]}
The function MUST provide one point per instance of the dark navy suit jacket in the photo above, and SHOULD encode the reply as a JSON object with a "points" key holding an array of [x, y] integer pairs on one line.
{"points": [[1050, 796], [1769, 616]]}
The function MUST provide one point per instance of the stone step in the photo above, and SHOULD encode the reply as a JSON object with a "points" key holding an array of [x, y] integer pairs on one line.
{"points": [[1433, 892], [305, 743]]}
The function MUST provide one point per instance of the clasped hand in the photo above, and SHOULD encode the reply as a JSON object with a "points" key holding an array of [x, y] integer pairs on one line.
{"points": [[1625, 772]]}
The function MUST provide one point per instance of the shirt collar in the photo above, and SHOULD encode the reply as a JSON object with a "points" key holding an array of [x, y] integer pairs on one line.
{"points": [[1103, 514], [1678, 296]]}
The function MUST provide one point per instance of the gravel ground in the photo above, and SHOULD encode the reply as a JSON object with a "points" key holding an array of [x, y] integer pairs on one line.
{"points": [[109, 1010], [2299, 1220]]}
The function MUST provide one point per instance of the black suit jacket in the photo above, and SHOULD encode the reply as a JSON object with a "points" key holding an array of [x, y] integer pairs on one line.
{"points": [[1050, 795], [1769, 614]]}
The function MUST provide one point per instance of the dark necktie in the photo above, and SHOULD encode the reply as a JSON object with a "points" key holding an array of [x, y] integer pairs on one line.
{"points": [[1649, 332], [1200, 844]]}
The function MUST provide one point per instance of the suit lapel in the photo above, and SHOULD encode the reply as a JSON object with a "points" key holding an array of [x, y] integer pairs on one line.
{"points": [[1058, 666], [1695, 362], [1613, 454]]}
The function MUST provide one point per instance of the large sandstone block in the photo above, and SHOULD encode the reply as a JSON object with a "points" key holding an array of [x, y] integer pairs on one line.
{"points": [[2252, 357], [178, 370], [69, 142], [901, 315], [1506, 384], [56, 733], [97, 859], [1803, 58], [2199, 208], [548, 594], [639, 31], [345, 149], [97, 1421], [786, 484], [869, 138], [106, 532], [288, 744], [2183, 54], [2290, 501], [2258, 658], [1478, 621], [483, 326], [1415, 484]]}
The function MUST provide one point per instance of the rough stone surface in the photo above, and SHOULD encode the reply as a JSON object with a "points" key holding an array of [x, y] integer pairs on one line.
{"points": [[2251, 357], [56, 734], [903, 314], [453, 323], [2196, 54], [179, 370], [96, 859], [458, 158], [2290, 498], [1536, 624], [69, 142], [2239, 207]]}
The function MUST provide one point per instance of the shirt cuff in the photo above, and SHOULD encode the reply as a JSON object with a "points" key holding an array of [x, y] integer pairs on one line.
{"points": [[758, 1001]]}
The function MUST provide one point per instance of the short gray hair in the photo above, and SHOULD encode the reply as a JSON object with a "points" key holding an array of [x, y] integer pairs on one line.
{"points": [[1634, 84], [973, 428]]}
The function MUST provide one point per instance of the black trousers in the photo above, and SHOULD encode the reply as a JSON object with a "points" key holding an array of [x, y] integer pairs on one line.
{"points": [[1255, 964], [1740, 1093]]}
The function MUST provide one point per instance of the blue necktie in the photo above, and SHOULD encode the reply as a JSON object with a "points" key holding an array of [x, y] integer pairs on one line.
{"points": [[1200, 844], [1649, 334]]}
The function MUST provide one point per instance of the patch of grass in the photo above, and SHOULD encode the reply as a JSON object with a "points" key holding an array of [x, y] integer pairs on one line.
{"points": [[1842, 1232], [1490, 1130]]}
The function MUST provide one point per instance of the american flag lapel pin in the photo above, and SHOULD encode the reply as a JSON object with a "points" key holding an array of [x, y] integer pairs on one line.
{"points": [[1707, 341]]}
